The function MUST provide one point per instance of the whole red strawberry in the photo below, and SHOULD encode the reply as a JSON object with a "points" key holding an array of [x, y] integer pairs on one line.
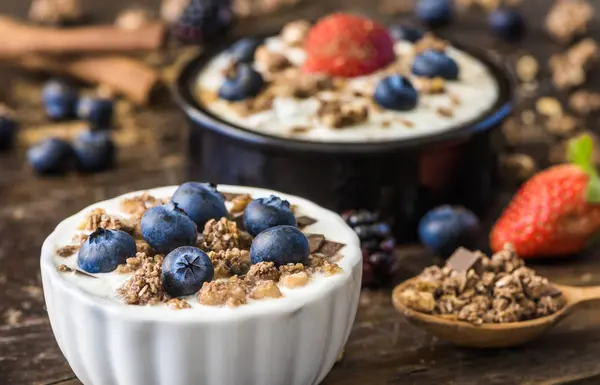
{"points": [[557, 212], [347, 46]]}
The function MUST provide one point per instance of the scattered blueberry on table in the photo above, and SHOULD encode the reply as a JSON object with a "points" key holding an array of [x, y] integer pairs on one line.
{"points": [[98, 111], [432, 64], [264, 213], [184, 270], [280, 245], [245, 83], [8, 128], [507, 24], [242, 51], [445, 228], [51, 156], [395, 92], [405, 32], [377, 244], [59, 99], [104, 250], [203, 19], [434, 13], [94, 151], [200, 201], [167, 227]]}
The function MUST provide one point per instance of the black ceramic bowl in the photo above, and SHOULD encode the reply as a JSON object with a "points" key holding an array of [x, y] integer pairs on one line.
{"points": [[401, 179]]}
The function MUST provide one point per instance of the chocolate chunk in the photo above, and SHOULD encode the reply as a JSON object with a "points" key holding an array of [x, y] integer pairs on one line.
{"points": [[315, 241], [330, 248], [304, 221], [462, 259]]}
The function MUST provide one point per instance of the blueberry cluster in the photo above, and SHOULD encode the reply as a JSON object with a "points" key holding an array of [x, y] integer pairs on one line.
{"points": [[434, 13], [202, 20], [507, 24], [445, 228], [377, 244], [92, 151]]}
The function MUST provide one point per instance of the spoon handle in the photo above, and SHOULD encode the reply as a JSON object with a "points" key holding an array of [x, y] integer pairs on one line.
{"points": [[584, 294]]}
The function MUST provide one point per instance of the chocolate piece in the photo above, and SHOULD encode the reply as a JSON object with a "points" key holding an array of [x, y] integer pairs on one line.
{"points": [[303, 221], [463, 259], [315, 241], [238, 218], [330, 248]]}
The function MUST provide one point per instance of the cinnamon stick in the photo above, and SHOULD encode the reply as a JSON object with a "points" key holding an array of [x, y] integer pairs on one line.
{"points": [[21, 39], [127, 76]]}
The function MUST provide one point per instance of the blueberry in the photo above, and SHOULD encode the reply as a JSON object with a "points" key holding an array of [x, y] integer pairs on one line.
{"points": [[97, 111], [435, 13], [59, 99], [166, 228], [395, 92], [245, 83], [445, 228], [184, 270], [405, 32], [361, 217], [203, 19], [264, 213], [243, 50], [8, 129], [280, 245], [104, 250], [433, 64], [201, 202], [94, 151], [507, 24], [51, 156]]}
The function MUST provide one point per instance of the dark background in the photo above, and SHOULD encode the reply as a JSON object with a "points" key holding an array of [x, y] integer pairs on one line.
{"points": [[383, 348]]}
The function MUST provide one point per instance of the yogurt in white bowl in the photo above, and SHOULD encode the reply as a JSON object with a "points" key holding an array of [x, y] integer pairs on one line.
{"points": [[294, 339]]}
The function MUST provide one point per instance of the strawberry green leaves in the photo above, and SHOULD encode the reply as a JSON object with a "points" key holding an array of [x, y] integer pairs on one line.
{"points": [[580, 152]]}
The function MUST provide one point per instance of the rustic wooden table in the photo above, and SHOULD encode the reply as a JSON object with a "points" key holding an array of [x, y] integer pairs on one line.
{"points": [[383, 348]]}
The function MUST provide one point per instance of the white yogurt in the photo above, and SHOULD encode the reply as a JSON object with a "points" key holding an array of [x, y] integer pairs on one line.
{"points": [[106, 284], [477, 90]]}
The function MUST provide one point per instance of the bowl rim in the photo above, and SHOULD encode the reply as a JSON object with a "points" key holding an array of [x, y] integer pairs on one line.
{"points": [[53, 282], [183, 96]]}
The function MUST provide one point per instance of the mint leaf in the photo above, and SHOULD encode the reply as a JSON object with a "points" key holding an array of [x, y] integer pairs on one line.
{"points": [[592, 192], [580, 151]]}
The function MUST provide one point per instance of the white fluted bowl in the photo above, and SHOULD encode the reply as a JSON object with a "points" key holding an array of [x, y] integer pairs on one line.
{"points": [[294, 340]]}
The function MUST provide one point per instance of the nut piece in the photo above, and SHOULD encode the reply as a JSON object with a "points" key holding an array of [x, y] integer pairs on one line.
{"points": [[294, 280], [170, 10], [569, 68], [420, 301], [138, 205], [262, 271], [269, 61], [294, 83], [568, 19], [517, 167], [240, 202], [335, 114], [548, 106], [67, 251], [218, 293], [265, 289], [230, 262], [55, 12], [220, 235], [585, 102], [430, 85], [178, 304], [295, 33], [527, 68], [563, 125], [99, 218], [430, 42]]}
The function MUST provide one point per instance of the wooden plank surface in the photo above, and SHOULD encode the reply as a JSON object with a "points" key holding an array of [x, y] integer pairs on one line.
{"points": [[383, 348]]}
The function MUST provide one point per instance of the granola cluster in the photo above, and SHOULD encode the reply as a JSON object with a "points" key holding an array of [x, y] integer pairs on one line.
{"points": [[477, 289], [568, 19], [569, 69], [144, 287], [100, 218], [220, 235]]}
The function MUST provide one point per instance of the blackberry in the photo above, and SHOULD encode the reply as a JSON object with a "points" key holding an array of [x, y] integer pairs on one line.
{"points": [[377, 244], [204, 19]]}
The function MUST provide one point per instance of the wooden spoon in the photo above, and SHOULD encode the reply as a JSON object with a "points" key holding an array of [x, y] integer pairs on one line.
{"points": [[504, 335]]}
